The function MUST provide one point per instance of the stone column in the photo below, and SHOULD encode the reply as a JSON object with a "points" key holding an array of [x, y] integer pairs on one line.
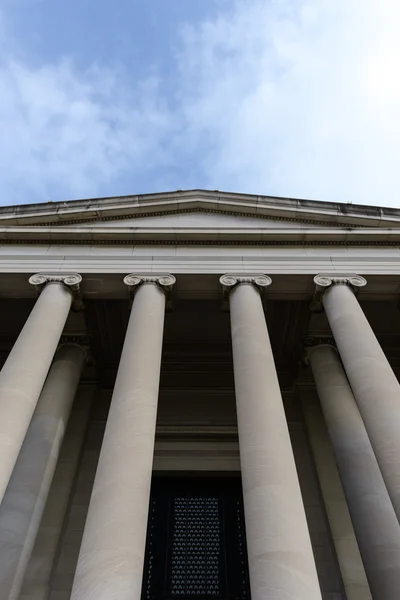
{"points": [[110, 563], [24, 501], [374, 520], [25, 370], [281, 562], [374, 385], [348, 554], [36, 584]]}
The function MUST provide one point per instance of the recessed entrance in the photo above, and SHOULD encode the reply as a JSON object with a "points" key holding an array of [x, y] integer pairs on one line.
{"points": [[196, 544]]}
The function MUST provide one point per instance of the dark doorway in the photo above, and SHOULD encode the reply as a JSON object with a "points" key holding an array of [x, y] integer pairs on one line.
{"points": [[196, 544]]}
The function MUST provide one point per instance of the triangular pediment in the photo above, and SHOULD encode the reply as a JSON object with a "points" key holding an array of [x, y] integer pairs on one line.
{"points": [[201, 220], [199, 216], [97, 211]]}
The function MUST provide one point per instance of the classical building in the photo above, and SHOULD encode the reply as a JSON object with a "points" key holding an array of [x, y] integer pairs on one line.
{"points": [[199, 399]]}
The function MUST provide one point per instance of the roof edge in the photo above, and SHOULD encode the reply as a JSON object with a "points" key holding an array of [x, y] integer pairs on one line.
{"points": [[96, 208]]}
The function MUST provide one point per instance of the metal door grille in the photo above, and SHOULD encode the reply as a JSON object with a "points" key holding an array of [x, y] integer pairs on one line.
{"points": [[196, 547], [196, 544]]}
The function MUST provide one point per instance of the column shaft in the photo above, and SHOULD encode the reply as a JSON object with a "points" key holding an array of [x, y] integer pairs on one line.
{"points": [[37, 579], [375, 386], [281, 561], [23, 374], [343, 536], [110, 563], [374, 520], [23, 503]]}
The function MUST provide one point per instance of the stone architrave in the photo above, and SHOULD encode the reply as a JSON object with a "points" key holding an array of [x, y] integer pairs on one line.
{"points": [[111, 558], [25, 370], [374, 385], [281, 562], [24, 501]]}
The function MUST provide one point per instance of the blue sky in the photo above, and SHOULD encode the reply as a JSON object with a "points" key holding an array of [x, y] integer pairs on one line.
{"points": [[293, 98]]}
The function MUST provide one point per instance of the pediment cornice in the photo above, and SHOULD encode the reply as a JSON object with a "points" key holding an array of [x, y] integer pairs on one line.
{"points": [[196, 208], [199, 217], [84, 212]]}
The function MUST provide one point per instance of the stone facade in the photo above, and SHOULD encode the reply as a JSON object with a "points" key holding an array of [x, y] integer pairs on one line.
{"points": [[199, 334]]}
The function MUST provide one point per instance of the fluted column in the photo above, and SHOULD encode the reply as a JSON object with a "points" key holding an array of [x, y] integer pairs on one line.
{"points": [[110, 563], [374, 520], [25, 370], [23, 503], [281, 562], [374, 385]]}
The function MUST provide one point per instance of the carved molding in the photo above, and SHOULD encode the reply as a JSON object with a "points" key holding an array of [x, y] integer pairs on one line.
{"points": [[164, 281], [229, 432], [80, 339], [197, 453], [159, 213], [196, 430], [70, 280], [93, 241], [324, 281], [312, 341], [230, 281]]}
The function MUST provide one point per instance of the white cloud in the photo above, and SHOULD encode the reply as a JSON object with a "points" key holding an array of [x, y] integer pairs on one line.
{"points": [[298, 98], [69, 133], [288, 97]]}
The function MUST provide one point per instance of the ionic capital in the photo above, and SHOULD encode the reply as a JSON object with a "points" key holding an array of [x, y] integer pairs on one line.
{"points": [[70, 280], [165, 282], [312, 343], [82, 340], [229, 282], [324, 281]]}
